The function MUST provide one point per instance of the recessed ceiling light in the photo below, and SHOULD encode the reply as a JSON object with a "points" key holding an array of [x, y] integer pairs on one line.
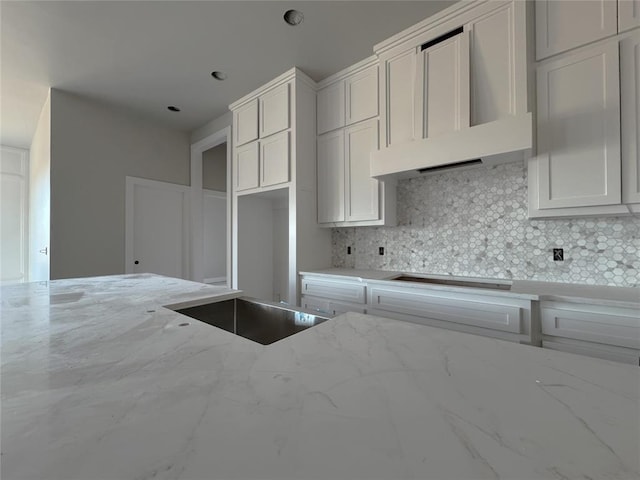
{"points": [[173, 108], [218, 75], [293, 17]]}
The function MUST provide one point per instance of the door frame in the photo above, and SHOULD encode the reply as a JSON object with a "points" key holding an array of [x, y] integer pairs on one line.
{"points": [[197, 215], [131, 183]]}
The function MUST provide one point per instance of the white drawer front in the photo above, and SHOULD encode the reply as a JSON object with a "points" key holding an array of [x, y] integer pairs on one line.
{"points": [[492, 315], [330, 308], [345, 291], [612, 326]]}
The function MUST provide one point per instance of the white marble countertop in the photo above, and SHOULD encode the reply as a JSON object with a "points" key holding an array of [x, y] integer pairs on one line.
{"points": [[625, 297], [100, 382]]}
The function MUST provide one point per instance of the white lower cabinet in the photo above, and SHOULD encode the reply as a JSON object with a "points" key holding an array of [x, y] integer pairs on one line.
{"points": [[483, 314], [332, 297], [599, 331]]}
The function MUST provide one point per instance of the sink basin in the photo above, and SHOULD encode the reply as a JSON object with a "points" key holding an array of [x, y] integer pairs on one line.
{"points": [[456, 283], [257, 320]]}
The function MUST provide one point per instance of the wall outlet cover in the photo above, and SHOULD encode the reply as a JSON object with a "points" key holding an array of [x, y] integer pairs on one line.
{"points": [[381, 250]]}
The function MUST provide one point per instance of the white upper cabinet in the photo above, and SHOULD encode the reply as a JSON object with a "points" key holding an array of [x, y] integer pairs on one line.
{"points": [[348, 98], [245, 121], [331, 187], [274, 111], [274, 159], [628, 14], [443, 87], [397, 90], [331, 106], [630, 116], [578, 162], [348, 134], [562, 25], [246, 166], [361, 95], [362, 196]]}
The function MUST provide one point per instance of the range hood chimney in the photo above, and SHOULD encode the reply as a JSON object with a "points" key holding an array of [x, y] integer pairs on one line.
{"points": [[500, 141]]}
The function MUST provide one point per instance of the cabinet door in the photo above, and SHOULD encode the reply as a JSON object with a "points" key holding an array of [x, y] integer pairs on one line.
{"points": [[362, 191], [274, 159], [628, 14], [495, 91], [245, 121], [330, 107], [630, 115], [443, 87], [398, 115], [274, 111], [246, 166], [331, 177], [562, 25], [361, 92], [579, 129]]}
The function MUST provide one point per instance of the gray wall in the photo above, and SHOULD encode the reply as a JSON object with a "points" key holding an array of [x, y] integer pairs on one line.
{"points": [[39, 196], [474, 223], [214, 168], [93, 148], [212, 127]]}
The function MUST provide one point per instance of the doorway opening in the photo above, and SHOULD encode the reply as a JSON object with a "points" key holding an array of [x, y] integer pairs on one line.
{"points": [[211, 209], [214, 214]]}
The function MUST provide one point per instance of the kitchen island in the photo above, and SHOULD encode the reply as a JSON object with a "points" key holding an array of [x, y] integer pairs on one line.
{"points": [[100, 381]]}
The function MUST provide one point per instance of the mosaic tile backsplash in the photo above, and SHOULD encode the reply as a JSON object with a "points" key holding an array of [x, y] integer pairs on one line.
{"points": [[474, 223]]}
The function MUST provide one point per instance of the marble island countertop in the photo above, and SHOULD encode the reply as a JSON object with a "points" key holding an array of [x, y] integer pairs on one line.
{"points": [[99, 381], [626, 297]]}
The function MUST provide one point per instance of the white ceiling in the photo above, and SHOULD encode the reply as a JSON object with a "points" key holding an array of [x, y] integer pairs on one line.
{"points": [[146, 55]]}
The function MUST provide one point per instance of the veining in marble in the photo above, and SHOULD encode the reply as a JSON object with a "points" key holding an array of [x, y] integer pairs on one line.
{"points": [[109, 386], [474, 223]]}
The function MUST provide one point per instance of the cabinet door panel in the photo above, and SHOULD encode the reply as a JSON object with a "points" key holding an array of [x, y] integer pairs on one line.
{"points": [[628, 14], [245, 120], [362, 190], [274, 111], [246, 167], [274, 159], [492, 59], [399, 85], [562, 25], [362, 95], [579, 129], [630, 116], [330, 107], [331, 177], [443, 92]]}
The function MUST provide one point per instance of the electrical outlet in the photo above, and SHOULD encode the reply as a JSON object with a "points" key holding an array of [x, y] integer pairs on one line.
{"points": [[348, 250], [381, 250], [558, 255]]}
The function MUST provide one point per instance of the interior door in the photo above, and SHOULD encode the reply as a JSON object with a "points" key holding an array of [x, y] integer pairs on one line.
{"points": [[13, 215], [157, 230]]}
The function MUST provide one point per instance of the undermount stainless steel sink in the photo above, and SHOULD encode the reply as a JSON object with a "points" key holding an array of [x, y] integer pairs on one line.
{"points": [[457, 283], [257, 320]]}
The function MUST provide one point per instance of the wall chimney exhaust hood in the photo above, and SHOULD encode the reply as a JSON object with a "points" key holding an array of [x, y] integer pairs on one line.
{"points": [[495, 142]]}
